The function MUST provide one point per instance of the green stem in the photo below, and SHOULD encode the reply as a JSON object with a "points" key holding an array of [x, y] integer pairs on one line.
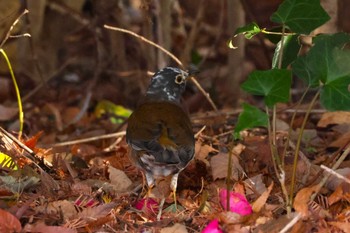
{"points": [[20, 109], [228, 177], [297, 147], [292, 122], [277, 33]]}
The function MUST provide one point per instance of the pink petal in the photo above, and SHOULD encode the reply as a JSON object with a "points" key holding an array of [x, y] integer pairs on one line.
{"points": [[238, 202], [212, 227], [147, 205]]}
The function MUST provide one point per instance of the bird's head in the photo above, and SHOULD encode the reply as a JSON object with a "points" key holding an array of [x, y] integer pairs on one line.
{"points": [[167, 84]]}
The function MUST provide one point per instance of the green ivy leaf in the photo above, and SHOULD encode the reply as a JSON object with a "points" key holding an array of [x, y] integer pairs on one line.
{"points": [[291, 47], [301, 16], [335, 94], [248, 30], [273, 84], [320, 64], [249, 118]]}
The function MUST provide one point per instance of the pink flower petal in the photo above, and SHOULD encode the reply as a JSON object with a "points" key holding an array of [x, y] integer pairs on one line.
{"points": [[238, 202], [147, 205], [212, 227]]}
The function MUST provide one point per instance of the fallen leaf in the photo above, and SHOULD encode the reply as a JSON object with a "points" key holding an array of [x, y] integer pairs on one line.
{"points": [[333, 182], [334, 118], [219, 166], [8, 222], [176, 228], [302, 199], [261, 201], [119, 179], [341, 141], [343, 226], [64, 207], [93, 213], [203, 150], [42, 227], [254, 183], [336, 196]]}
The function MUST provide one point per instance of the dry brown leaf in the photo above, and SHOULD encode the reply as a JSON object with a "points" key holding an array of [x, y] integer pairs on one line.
{"points": [[203, 150], [229, 217], [57, 207], [302, 199], [261, 201], [219, 166], [333, 182], [341, 141], [42, 227], [176, 228], [239, 188], [119, 179], [93, 213], [344, 226], [255, 183], [334, 118], [336, 196], [8, 222]]}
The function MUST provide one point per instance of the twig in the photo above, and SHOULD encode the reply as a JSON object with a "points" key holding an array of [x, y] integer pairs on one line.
{"points": [[200, 131], [112, 135], [206, 95], [332, 172], [147, 41], [8, 33], [169, 54], [32, 156]]}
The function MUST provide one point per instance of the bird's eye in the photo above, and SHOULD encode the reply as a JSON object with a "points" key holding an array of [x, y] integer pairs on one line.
{"points": [[179, 79]]}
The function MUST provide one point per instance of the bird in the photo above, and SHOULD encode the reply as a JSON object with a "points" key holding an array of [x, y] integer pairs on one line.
{"points": [[159, 132]]}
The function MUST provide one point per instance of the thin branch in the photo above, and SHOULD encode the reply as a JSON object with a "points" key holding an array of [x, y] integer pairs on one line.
{"points": [[8, 33], [32, 156], [147, 41], [112, 135], [169, 54], [338, 175]]}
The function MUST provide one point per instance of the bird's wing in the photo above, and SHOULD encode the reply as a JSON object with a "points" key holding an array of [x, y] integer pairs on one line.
{"points": [[162, 133]]}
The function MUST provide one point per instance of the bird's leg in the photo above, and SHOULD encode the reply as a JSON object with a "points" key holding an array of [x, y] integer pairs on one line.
{"points": [[150, 185], [173, 185], [159, 215]]}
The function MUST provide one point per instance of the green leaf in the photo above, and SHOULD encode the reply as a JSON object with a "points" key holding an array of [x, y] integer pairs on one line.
{"points": [[248, 30], [321, 63], [335, 94], [273, 84], [116, 113], [301, 16], [249, 118], [291, 47]]}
